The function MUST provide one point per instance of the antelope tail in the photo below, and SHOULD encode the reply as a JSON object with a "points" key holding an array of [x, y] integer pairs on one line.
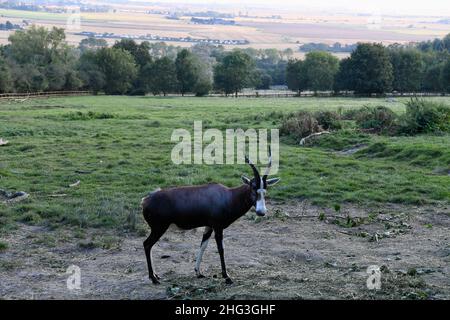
{"points": [[149, 195]]}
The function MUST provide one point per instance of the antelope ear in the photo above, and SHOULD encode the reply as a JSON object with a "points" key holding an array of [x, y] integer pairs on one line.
{"points": [[273, 181], [246, 180]]}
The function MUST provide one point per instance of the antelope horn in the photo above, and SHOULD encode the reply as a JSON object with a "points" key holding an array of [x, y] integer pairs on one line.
{"points": [[266, 174], [255, 171]]}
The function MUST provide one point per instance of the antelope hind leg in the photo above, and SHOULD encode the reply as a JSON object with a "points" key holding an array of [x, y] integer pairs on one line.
{"points": [[206, 235]]}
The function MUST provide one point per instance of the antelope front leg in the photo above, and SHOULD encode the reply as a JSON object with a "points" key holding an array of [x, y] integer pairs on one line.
{"points": [[156, 233], [219, 240]]}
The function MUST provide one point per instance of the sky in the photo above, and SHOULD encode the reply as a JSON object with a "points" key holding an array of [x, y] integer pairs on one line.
{"points": [[397, 7]]}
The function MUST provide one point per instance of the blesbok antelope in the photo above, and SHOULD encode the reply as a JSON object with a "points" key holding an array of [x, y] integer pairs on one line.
{"points": [[212, 206]]}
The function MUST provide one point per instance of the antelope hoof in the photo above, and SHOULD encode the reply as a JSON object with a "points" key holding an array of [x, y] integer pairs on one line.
{"points": [[155, 279], [198, 274], [228, 281]]}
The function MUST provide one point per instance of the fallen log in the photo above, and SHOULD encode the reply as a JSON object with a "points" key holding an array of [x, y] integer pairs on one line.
{"points": [[77, 183], [303, 141]]}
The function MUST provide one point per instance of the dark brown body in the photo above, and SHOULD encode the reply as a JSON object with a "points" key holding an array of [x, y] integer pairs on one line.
{"points": [[213, 206]]}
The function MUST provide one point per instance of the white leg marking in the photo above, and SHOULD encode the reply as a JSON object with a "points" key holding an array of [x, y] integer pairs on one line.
{"points": [[201, 251], [200, 256]]}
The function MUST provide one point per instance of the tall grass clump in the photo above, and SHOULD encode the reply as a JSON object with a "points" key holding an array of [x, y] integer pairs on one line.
{"points": [[299, 125], [424, 116], [378, 119], [303, 123], [328, 120], [90, 115]]}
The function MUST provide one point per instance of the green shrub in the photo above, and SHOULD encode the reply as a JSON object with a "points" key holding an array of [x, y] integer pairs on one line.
{"points": [[90, 115], [31, 218], [350, 114], [303, 123], [424, 116], [328, 120], [3, 246], [299, 125], [342, 139], [377, 119]]}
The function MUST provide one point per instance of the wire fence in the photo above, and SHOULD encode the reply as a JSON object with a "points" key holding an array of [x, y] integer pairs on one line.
{"points": [[243, 94], [48, 94]]}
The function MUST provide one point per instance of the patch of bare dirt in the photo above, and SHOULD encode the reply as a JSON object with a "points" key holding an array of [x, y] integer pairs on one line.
{"points": [[297, 252]]}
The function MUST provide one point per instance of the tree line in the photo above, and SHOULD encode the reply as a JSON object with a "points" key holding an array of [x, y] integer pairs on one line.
{"points": [[374, 68], [38, 59]]}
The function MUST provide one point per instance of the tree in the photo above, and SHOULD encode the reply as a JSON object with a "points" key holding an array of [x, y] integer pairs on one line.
{"points": [[73, 80], [445, 76], [208, 51], [140, 52], [203, 85], [320, 69], [161, 49], [204, 82], [278, 73], [434, 62], [271, 56], [408, 69], [56, 76], [187, 71], [344, 78], [90, 73], [142, 57], [295, 76], [234, 72], [28, 77], [287, 53], [446, 42], [193, 74], [432, 78], [38, 45], [371, 69], [5, 76], [42, 60], [160, 76], [265, 80], [92, 43], [119, 68]]}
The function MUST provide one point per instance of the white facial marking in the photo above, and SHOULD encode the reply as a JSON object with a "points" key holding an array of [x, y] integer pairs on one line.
{"points": [[261, 203]]}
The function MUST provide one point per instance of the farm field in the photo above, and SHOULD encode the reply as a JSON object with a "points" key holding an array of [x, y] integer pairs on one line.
{"points": [[291, 30], [336, 211]]}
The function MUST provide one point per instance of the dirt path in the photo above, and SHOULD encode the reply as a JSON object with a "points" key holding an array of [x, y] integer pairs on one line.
{"points": [[291, 254]]}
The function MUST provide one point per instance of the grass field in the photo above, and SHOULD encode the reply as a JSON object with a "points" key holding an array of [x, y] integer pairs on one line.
{"points": [[121, 150], [332, 215]]}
